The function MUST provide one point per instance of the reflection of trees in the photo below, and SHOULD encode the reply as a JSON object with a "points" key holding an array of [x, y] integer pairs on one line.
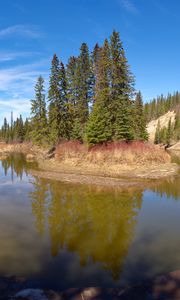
{"points": [[96, 224], [16, 164], [39, 198], [169, 187]]}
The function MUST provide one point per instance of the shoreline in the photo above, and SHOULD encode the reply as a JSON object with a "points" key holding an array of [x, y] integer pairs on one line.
{"points": [[160, 287], [69, 171], [133, 176]]}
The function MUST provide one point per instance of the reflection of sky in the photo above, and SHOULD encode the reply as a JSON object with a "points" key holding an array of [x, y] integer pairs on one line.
{"points": [[7, 179], [155, 247]]}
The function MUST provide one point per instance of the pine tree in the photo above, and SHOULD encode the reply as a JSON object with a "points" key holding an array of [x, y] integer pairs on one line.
{"points": [[71, 80], [27, 130], [38, 114], [82, 81], [54, 99], [58, 102], [169, 133], [65, 125], [99, 128], [139, 119], [122, 88], [20, 131], [177, 126], [157, 139], [5, 130]]}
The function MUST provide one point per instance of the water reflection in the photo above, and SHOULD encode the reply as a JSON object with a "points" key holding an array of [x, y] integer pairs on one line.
{"points": [[85, 235], [96, 224], [16, 165], [169, 187]]}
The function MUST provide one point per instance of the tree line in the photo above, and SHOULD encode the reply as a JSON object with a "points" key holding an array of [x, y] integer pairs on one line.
{"points": [[165, 135], [90, 99], [17, 131], [161, 105]]}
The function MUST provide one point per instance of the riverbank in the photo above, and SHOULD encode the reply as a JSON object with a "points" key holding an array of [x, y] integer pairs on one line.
{"points": [[162, 287], [114, 165]]}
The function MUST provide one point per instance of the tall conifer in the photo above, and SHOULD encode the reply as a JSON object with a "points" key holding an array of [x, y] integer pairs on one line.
{"points": [[82, 77], [99, 128], [122, 87], [38, 113], [140, 132]]}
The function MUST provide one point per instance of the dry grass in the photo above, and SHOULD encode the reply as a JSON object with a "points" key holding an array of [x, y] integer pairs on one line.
{"points": [[134, 153]]}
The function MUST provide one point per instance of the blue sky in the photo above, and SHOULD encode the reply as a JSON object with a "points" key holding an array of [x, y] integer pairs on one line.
{"points": [[31, 31]]}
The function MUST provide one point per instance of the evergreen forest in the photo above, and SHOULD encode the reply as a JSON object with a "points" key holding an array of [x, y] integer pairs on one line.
{"points": [[91, 99]]}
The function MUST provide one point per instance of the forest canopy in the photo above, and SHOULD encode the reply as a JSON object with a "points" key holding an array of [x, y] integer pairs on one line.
{"points": [[91, 99]]}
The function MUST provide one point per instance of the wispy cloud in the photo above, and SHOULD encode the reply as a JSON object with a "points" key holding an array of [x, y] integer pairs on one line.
{"points": [[20, 30], [18, 106], [9, 56], [17, 87], [129, 6]]}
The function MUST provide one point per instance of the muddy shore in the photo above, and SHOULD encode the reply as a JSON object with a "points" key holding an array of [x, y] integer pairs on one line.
{"points": [[69, 172]]}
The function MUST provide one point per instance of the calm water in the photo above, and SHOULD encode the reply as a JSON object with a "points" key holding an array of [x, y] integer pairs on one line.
{"points": [[64, 236]]}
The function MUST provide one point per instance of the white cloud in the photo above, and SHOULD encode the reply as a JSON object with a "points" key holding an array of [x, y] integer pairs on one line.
{"points": [[9, 56], [17, 88], [20, 30], [18, 106], [12, 79], [129, 6]]}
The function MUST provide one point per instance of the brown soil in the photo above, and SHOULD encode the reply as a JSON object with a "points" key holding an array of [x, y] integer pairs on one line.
{"points": [[99, 174]]}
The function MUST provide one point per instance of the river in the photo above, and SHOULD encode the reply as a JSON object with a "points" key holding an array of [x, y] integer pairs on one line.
{"points": [[61, 235]]}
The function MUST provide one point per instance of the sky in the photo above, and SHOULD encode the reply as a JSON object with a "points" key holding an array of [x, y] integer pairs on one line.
{"points": [[31, 31]]}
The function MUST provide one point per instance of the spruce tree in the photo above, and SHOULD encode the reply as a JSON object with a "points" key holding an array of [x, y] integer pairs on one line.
{"points": [[157, 139], [169, 133], [94, 70], [65, 119], [122, 88], [140, 132], [71, 81], [177, 126], [54, 101], [99, 129], [20, 130], [58, 102], [38, 114], [82, 82]]}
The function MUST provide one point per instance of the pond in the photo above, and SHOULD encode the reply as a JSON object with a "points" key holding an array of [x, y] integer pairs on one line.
{"points": [[61, 235]]}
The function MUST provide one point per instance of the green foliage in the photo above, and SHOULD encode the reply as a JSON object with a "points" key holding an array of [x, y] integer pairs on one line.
{"points": [[83, 89], [176, 133], [15, 132], [158, 107], [99, 126], [169, 133], [123, 129], [39, 132], [164, 135], [59, 118], [122, 83], [157, 139], [90, 99], [140, 132]]}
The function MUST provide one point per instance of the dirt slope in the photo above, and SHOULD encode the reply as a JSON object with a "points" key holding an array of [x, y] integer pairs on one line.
{"points": [[151, 127]]}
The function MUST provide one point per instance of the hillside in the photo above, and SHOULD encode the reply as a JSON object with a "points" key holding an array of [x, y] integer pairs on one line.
{"points": [[164, 120], [161, 105]]}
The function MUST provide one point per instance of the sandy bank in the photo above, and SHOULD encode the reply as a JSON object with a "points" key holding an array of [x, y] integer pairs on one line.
{"points": [[121, 176], [73, 170]]}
